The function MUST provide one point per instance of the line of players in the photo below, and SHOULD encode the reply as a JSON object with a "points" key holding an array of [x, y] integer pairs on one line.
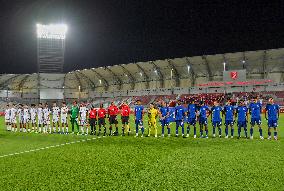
{"points": [[39, 118]]}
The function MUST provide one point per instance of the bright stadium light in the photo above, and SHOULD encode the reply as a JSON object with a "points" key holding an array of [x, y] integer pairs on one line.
{"points": [[100, 81], [155, 71], [224, 66], [243, 61], [188, 68], [141, 74], [52, 31]]}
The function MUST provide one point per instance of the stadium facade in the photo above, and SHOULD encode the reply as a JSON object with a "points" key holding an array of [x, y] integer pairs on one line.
{"points": [[261, 70]]}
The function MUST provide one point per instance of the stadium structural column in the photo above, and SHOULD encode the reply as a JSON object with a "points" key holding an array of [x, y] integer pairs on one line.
{"points": [[176, 73], [161, 76], [144, 74], [132, 79], [115, 76], [106, 84], [264, 65], [192, 73], [88, 79], [209, 72]]}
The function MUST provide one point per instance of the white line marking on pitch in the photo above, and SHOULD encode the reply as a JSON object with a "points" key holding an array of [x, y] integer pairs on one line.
{"points": [[48, 147]]}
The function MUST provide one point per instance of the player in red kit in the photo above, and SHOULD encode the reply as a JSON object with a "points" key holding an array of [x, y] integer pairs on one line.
{"points": [[112, 116], [93, 119], [101, 119], [125, 112]]}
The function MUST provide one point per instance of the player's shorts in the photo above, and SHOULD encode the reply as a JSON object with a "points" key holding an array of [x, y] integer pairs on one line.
{"points": [[165, 122], [40, 121], [63, 120], [242, 124], [7, 120], [83, 121], [272, 123], [216, 123], [26, 120], [139, 122], [92, 121], [179, 123], [191, 121], [33, 120], [101, 121], [55, 119], [112, 119], [203, 121], [255, 121], [152, 123], [21, 119], [229, 122], [13, 120], [125, 120], [46, 122]]}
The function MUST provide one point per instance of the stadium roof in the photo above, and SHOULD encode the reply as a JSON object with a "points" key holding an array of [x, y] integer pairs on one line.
{"points": [[210, 66]]}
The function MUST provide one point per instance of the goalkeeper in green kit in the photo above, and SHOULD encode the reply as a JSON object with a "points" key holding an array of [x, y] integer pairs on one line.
{"points": [[74, 116]]}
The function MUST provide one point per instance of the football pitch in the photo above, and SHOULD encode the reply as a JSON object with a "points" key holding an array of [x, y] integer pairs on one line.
{"points": [[31, 161]]}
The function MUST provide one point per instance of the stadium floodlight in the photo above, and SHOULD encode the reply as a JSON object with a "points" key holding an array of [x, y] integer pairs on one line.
{"points": [[141, 74], [156, 72], [51, 31], [224, 66], [188, 68], [243, 61], [100, 81]]}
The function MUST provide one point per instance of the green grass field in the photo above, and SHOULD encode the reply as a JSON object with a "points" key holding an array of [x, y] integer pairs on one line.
{"points": [[128, 163]]}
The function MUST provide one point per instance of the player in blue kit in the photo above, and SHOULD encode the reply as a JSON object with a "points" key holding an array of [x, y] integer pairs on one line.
{"points": [[191, 115], [203, 115], [229, 112], [180, 113], [242, 111], [216, 118], [255, 112], [164, 118], [138, 114], [272, 111]]}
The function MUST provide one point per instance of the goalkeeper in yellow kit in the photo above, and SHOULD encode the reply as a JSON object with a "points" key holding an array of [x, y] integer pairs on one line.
{"points": [[152, 119]]}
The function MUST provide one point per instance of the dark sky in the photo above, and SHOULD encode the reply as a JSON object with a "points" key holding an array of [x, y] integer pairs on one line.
{"points": [[109, 32]]}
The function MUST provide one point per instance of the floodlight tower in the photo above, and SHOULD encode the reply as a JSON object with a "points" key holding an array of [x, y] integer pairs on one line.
{"points": [[51, 47]]}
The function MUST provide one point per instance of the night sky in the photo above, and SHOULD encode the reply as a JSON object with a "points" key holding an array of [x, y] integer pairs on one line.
{"points": [[109, 32]]}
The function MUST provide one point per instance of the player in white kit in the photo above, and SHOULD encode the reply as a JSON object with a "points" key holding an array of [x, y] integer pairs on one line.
{"points": [[46, 119], [26, 125], [7, 117], [55, 117], [83, 118], [40, 117], [13, 117], [33, 112], [21, 116], [63, 115]]}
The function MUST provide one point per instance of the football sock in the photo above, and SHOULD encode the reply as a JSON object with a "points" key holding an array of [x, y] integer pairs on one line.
{"points": [[169, 131], [220, 130], [206, 131], [260, 132], [251, 131], [142, 129], [239, 131], [226, 131], [176, 130], [136, 128], [156, 132], [246, 132], [269, 133], [214, 130], [188, 129], [149, 131], [87, 131], [82, 130], [194, 130], [275, 134], [182, 129], [163, 130], [232, 131], [123, 130]]}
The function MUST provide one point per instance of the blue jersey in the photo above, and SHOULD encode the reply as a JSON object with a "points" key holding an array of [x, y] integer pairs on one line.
{"points": [[255, 109], [216, 113], [172, 114], [164, 111], [272, 111], [229, 112], [192, 109], [242, 113], [180, 112], [138, 112], [203, 111]]}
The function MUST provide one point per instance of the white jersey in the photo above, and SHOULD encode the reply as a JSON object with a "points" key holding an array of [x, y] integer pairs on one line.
{"points": [[55, 114], [46, 116], [26, 115], [7, 114], [83, 115], [13, 115], [33, 112], [64, 113], [40, 115], [20, 115]]}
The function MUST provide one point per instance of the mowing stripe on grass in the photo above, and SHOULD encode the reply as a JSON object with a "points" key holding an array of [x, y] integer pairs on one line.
{"points": [[47, 147]]}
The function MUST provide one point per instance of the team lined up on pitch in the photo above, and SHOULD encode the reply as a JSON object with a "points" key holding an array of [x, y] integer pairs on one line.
{"points": [[38, 119]]}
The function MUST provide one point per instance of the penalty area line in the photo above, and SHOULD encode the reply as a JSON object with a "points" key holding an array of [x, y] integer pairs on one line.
{"points": [[47, 147]]}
